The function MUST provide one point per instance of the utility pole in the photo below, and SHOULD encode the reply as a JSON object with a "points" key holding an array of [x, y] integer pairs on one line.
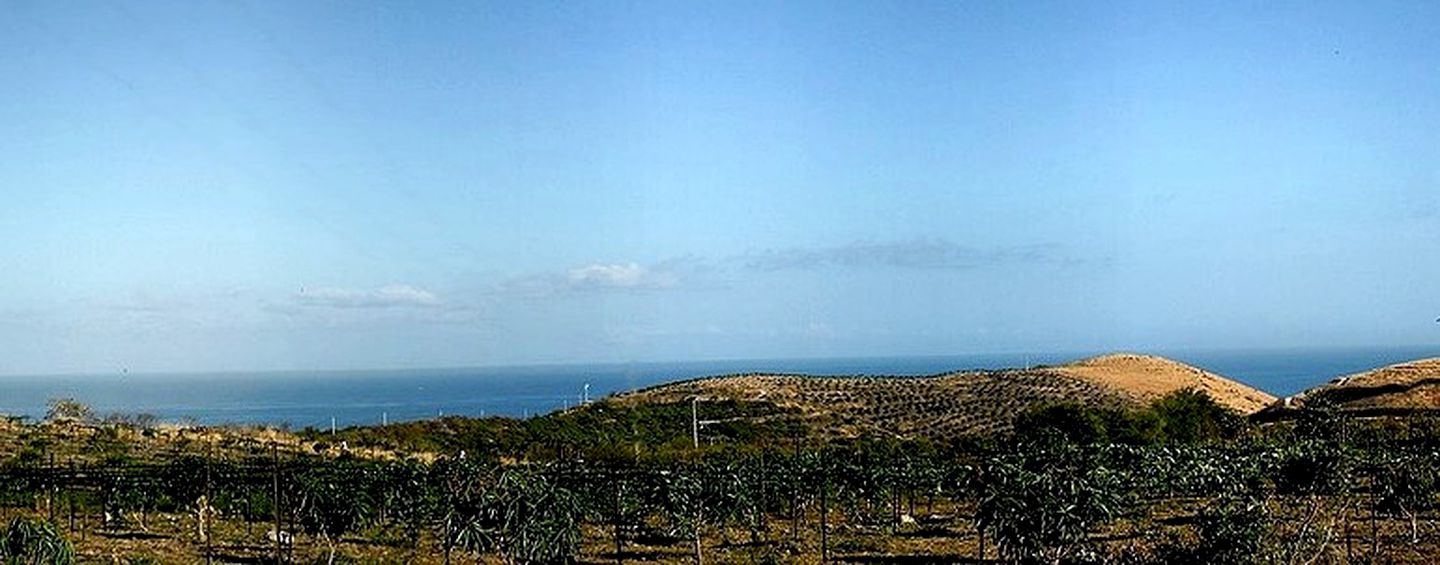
{"points": [[695, 421], [275, 470]]}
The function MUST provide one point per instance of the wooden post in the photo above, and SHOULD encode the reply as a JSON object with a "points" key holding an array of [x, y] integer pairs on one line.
{"points": [[275, 474], [1349, 543], [106, 491], [54, 488], [695, 421], [205, 507], [795, 494], [825, 517], [617, 484], [447, 540], [699, 554], [763, 517], [895, 509], [70, 496], [1374, 507]]}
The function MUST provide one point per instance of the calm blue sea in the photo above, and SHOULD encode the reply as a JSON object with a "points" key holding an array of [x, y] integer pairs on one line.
{"points": [[366, 397]]}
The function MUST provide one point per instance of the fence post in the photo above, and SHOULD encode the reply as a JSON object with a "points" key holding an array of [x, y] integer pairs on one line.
{"points": [[824, 510], [795, 492], [54, 488], [275, 474], [205, 509], [70, 496], [618, 483]]}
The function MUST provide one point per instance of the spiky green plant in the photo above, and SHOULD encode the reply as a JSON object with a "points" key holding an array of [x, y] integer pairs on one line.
{"points": [[34, 542]]}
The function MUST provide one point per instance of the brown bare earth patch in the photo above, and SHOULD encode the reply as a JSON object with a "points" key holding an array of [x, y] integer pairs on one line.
{"points": [[1147, 377], [960, 403]]}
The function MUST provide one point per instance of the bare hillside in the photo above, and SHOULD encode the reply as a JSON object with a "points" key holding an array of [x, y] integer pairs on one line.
{"points": [[1404, 387], [1147, 377]]}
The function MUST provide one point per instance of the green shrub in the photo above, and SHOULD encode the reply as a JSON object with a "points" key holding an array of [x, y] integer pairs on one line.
{"points": [[1191, 416], [33, 542], [1042, 505]]}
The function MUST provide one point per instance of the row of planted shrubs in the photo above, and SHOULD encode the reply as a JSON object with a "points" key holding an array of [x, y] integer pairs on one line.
{"points": [[1043, 493]]}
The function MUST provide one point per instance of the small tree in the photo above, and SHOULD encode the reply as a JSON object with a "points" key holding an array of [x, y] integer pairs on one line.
{"points": [[334, 499], [1405, 485], [1191, 416], [1230, 531], [68, 410], [525, 517], [1042, 503], [1068, 421]]}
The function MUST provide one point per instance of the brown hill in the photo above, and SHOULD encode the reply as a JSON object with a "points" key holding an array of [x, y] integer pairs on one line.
{"points": [[1147, 377], [954, 404], [1396, 389]]}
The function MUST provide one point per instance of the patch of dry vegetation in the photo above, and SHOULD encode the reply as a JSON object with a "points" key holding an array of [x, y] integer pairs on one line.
{"points": [[1148, 377], [86, 442], [1412, 386], [963, 403]]}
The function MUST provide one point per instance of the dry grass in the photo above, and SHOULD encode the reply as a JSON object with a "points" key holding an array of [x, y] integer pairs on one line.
{"points": [[1403, 387], [71, 442], [1147, 377]]}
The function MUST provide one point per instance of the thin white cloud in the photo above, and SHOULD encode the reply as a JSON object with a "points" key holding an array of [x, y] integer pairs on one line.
{"points": [[393, 296], [904, 254], [607, 277], [622, 276]]}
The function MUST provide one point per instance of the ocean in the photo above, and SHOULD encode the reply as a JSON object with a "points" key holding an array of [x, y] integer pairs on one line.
{"points": [[301, 399]]}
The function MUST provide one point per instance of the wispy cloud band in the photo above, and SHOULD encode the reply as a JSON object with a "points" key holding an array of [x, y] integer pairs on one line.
{"points": [[393, 296], [905, 254]]}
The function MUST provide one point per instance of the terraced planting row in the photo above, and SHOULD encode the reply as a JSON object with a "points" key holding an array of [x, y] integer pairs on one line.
{"points": [[939, 406]]}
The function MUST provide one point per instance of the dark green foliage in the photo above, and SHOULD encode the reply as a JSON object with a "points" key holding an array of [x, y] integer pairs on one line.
{"points": [[1041, 504], [1181, 417], [596, 431], [1405, 483], [525, 516], [33, 542], [1229, 531], [1314, 467], [1183, 477], [332, 499], [1069, 422], [1191, 416]]}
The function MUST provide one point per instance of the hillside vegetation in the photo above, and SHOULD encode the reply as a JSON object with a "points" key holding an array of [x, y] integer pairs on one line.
{"points": [[1104, 476], [959, 404]]}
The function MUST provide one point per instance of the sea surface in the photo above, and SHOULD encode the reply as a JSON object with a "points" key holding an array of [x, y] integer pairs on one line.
{"points": [[302, 399]]}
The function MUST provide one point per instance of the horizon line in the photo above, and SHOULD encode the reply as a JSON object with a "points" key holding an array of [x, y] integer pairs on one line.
{"points": [[1078, 354]]}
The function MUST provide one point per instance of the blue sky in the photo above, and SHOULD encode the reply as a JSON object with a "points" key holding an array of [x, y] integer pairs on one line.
{"points": [[295, 185]]}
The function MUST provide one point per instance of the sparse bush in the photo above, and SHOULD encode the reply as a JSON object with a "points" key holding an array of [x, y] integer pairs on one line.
{"points": [[68, 410]]}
